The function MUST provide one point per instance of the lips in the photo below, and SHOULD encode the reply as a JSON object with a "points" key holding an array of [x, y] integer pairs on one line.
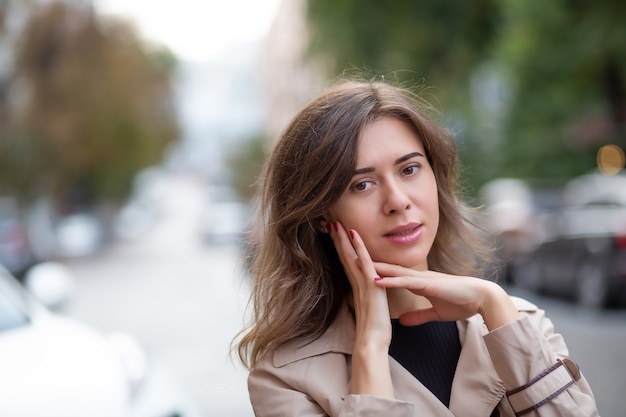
{"points": [[404, 234]]}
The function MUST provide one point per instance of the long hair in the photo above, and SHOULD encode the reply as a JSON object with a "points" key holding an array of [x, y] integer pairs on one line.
{"points": [[298, 282]]}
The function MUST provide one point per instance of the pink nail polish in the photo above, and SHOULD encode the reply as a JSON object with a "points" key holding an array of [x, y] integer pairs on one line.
{"points": [[377, 278], [352, 234], [336, 224]]}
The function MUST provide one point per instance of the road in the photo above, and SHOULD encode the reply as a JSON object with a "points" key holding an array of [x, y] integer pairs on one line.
{"points": [[184, 301]]}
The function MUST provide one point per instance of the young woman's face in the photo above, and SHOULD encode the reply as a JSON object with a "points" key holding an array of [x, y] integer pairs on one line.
{"points": [[392, 198]]}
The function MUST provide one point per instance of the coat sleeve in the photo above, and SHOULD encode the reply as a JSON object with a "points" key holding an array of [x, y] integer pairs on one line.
{"points": [[533, 362], [286, 391]]}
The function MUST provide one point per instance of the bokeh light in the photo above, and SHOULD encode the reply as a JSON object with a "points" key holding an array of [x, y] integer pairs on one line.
{"points": [[610, 159]]}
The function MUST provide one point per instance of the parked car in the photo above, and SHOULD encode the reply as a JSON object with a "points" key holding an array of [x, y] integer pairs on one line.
{"points": [[508, 207], [15, 250], [582, 253], [54, 366], [225, 217]]}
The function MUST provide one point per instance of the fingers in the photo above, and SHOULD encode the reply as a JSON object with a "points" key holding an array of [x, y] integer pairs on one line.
{"points": [[345, 250], [352, 251], [416, 284], [364, 259], [391, 270]]}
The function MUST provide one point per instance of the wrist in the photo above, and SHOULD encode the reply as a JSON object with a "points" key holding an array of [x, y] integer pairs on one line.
{"points": [[371, 347], [497, 309], [370, 370]]}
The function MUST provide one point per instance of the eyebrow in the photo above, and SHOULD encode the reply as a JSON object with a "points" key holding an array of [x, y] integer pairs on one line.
{"points": [[397, 162]]}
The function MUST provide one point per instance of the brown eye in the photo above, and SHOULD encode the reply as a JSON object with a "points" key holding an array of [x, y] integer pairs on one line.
{"points": [[362, 186], [410, 170]]}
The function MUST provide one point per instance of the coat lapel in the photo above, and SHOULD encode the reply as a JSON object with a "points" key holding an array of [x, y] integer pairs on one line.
{"points": [[474, 374], [407, 388]]}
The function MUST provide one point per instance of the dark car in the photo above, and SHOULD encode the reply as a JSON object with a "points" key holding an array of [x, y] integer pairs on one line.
{"points": [[15, 250], [582, 251]]}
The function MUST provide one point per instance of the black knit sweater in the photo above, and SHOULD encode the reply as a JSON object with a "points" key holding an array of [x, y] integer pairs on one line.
{"points": [[430, 352]]}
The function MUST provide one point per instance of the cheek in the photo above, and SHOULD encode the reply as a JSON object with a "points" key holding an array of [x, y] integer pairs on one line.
{"points": [[433, 201], [435, 215], [355, 216], [352, 220]]}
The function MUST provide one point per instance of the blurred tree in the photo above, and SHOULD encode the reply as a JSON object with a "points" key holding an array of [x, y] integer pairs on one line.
{"points": [[427, 39], [245, 164], [94, 106], [569, 61], [531, 88]]}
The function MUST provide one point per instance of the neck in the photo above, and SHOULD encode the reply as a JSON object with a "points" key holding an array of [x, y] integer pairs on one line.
{"points": [[402, 300]]}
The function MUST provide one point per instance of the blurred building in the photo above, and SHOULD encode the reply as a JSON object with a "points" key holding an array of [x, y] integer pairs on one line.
{"points": [[290, 77]]}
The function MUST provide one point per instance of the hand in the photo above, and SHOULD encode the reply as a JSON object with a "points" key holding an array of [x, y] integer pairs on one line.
{"points": [[452, 297], [370, 361], [370, 301]]}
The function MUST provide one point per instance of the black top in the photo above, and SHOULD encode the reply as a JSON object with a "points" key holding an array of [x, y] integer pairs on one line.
{"points": [[430, 352]]}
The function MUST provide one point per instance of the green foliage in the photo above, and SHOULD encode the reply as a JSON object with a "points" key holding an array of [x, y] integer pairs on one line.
{"points": [[246, 163], [562, 53], [430, 39], [532, 89], [97, 107]]}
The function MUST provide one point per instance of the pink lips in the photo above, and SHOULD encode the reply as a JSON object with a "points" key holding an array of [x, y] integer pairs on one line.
{"points": [[405, 234]]}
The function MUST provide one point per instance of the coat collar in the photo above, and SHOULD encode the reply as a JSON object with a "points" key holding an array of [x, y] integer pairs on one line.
{"points": [[338, 338]]}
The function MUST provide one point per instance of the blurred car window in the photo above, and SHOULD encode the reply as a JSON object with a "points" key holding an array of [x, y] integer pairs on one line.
{"points": [[15, 252], [12, 312]]}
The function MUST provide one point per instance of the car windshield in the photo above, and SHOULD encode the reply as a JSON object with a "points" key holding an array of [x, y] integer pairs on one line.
{"points": [[13, 305]]}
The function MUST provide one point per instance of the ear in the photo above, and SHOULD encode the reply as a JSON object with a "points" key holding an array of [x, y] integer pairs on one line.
{"points": [[322, 226]]}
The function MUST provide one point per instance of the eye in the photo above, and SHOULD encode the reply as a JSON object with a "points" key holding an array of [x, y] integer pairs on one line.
{"points": [[362, 185], [410, 169]]}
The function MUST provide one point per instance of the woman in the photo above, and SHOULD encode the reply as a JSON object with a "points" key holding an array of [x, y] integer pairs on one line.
{"points": [[365, 297]]}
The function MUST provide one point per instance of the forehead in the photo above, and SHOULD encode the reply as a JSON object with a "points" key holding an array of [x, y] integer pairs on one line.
{"points": [[387, 137]]}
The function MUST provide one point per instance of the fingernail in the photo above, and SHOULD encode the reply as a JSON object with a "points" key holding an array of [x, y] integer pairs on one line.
{"points": [[352, 234], [377, 278], [336, 224]]}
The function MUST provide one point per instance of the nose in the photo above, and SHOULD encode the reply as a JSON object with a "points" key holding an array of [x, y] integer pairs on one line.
{"points": [[396, 198]]}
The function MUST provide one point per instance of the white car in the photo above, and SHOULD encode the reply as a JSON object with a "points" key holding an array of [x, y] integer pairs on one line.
{"points": [[224, 218], [54, 366]]}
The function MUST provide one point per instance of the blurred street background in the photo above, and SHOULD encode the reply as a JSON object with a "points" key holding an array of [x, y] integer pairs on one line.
{"points": [[132, 133], [182, 299]]}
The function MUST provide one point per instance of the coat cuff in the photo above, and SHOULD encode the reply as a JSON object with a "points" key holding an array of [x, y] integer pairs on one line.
{"points": [[529, 373], [543, 388]]}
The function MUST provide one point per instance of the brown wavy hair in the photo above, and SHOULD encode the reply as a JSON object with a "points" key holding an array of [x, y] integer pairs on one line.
{"points": [[298, 282]]}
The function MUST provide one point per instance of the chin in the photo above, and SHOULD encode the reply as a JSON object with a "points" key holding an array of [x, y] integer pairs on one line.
{"points": [[412, 258], [412, 263]]}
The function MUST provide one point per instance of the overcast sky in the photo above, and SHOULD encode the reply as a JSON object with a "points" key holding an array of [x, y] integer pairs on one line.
{"points": [[196, 29]]}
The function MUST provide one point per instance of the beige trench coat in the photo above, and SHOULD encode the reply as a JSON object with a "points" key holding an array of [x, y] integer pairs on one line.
{"points": [[522, 368]]}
